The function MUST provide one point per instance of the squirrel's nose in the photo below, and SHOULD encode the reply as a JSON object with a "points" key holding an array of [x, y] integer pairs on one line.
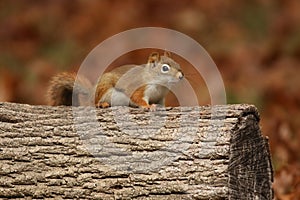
{"points": [[180, 75]]}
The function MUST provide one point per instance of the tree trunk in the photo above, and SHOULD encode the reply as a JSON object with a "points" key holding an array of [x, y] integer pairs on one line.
{"points": [[125, 153]]}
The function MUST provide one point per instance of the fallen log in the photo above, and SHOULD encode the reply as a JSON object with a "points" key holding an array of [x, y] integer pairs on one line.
{"points": [[205, 152]]}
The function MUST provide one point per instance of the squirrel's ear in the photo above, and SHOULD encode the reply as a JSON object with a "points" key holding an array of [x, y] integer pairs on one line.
{"points": [[154, 58], [167, 54]]}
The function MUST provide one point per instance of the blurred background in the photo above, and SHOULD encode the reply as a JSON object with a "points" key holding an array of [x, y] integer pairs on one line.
{"points": [[255, 44]]}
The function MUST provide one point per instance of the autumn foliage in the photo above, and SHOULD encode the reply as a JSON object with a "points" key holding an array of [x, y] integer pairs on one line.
{"points": [[255, 44]]}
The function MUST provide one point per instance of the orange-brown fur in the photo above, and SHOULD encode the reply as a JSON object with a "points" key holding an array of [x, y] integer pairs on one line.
{"points": [[138, 97], [101, 89]]}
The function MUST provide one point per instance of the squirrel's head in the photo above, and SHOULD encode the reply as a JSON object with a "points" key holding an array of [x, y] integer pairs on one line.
{"points": [[163, 68]]}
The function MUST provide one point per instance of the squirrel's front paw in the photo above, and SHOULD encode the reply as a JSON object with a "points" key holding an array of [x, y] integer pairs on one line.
{"points": [[151, 107]]}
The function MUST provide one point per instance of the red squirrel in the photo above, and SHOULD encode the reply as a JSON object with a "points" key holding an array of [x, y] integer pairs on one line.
{"points": [[142, 86]]}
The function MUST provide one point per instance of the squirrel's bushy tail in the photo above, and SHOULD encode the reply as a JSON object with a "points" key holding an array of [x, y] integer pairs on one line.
{"points": [[62, 88]]}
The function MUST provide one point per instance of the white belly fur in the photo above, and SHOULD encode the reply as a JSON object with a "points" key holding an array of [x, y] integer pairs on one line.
{"points": [[155, 94], [116, 98]]}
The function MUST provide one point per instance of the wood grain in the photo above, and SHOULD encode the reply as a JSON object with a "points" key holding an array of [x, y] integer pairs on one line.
{"points": [[125, 153]]}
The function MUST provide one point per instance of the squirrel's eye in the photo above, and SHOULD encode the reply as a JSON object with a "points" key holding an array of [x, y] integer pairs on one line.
{"points": [[165, 68]]}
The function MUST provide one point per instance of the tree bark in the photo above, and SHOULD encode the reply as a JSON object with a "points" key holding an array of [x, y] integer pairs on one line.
{"points": [[205, 152]]}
